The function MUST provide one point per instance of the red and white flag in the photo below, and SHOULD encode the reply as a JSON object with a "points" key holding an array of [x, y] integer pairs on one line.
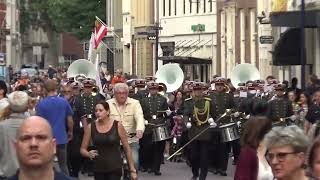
{"points": [[100, 32]]}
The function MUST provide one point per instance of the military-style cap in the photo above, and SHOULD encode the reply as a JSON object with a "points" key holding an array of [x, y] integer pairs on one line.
{"points": [[140, 82], [242, 88], [220, 80], [153, 85], [88, 82], [198, 86], [150, 78], [259, 81], [241, 84], [250, 86], [279, 86], [76, 85]]}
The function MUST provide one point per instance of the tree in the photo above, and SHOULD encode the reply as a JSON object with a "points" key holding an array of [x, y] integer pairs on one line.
{"points": [[74, 16]]}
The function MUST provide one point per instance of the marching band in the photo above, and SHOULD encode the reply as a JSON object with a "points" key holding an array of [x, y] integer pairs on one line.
{"points": [[202, 129]]}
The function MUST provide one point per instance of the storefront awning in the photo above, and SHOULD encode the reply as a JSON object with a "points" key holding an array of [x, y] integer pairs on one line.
{"points": [[287, 50], [293, 19], [184, 60]]}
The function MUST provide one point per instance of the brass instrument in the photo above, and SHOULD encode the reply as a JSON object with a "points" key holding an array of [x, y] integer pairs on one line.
{"points": [[243, 73]]}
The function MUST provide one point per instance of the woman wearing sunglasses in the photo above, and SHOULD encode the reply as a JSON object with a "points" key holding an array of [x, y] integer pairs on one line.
{"points": [[286, 152]]}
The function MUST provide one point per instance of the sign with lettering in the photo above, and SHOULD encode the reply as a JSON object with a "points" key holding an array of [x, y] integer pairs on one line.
{"points": [[266, 39], [198, 28]]}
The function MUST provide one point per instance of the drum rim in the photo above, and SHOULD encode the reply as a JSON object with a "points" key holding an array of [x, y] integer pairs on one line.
{"points": [[227, 125]]}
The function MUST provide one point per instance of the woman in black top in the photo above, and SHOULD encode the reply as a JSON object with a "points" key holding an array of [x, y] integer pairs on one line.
{"points": [[106, 135]]}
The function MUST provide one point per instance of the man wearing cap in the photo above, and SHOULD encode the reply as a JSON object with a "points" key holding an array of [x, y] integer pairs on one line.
{"points": [[142, 92], [223, 101], [154, 107], [279, 106], [198, 114], [84, 107]]}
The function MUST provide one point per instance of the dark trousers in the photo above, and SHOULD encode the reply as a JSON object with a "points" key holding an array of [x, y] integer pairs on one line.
{"points": [[145, 151], [74, 157], [157, 149], [199, 159], [236, 148], [222, 156], [114, 175]]}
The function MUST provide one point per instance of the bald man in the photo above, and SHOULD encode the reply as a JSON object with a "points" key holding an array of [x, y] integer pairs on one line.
{"points": [[35, 148]]}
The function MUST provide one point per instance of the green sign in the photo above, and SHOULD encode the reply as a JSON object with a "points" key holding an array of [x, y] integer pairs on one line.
{"points": [[198, 28]]}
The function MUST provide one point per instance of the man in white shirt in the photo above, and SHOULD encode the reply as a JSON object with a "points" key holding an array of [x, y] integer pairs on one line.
{"points": [[129, 112]]}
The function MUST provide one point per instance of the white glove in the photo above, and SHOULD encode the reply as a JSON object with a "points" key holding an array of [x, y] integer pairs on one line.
{"points": [[213, 125], [293, 117], [247, 117], [236, 114], [168, 112], [239, 123], [210, 120], [146, 122], [189, 125]]}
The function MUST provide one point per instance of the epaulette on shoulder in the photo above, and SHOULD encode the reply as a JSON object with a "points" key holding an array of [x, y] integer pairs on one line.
{"points": [[188, 99], [207, 98]]}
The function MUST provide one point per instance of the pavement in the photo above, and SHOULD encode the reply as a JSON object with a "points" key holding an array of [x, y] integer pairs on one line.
{"points": [[179, 171]]}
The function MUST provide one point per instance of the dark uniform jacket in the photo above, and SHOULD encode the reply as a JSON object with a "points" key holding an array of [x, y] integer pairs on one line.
{"points": [[223, 101], [279, 107], [151, 107], [189, 115], [86, 105]]}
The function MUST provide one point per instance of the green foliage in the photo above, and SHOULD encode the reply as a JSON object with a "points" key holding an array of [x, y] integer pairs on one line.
{"points": [[74, 16]]}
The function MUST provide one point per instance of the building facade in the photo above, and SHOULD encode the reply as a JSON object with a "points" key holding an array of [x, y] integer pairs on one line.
{"points": [[279, 20], [236, 34], [13, 36], [189, 36], [138, 19]]}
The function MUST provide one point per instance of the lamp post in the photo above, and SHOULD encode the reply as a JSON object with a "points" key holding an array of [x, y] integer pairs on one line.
{"points": [[302, 48]]}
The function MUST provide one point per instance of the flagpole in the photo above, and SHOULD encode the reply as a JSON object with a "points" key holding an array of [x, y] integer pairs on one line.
{"points": [[107, 26]]}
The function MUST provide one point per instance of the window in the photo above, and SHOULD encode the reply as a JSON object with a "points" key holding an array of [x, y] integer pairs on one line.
{"points": [[184, 6], [210, 1], [204, 6], [175, 7], [198, 6], [190, 2], [169, 7], [164, 7]]}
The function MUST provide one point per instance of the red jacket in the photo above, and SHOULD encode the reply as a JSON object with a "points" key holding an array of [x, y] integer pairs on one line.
{"points": [[248, 164]]}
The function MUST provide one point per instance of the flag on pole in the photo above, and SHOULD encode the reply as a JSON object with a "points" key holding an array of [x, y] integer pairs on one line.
{"points": [[91, 47], [100, 32], [98, 80]]}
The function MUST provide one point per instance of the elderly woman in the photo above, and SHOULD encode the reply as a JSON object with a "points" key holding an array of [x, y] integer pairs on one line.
{"points": [[286, 152]]}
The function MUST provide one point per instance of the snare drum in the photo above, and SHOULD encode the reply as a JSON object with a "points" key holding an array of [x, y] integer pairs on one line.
{"points": [[160, 133], [229, 132]]}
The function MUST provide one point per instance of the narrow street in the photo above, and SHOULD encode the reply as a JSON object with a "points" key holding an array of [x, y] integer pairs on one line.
{"points": [[178, 171]]}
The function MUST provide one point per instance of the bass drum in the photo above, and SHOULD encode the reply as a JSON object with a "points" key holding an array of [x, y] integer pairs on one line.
{"points": [[160, 133], [229, 132]]}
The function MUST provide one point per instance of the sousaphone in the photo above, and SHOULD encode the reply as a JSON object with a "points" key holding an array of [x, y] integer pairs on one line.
{"points": [[171, 75], [83, 68], [243, 73]]}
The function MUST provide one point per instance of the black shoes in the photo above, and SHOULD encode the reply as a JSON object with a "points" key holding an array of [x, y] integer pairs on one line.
{"points": [[222, 173], [194, 178], [157, 173]]}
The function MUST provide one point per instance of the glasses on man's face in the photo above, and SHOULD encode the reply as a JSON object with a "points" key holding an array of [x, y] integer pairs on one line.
{"points": [[67, 91], [280, 156]]}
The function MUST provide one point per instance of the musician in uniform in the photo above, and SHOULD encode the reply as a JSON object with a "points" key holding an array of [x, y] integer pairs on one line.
{"points": [[142, 92], [279, 106], [223, 101], [84, 105], [154, 107], [198, 114]]}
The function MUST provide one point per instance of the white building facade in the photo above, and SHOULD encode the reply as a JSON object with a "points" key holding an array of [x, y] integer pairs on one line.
{"points": [[190, 26]]}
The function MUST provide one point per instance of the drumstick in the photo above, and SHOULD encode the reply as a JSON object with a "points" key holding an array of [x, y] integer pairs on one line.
{"points": [[199, 134]]}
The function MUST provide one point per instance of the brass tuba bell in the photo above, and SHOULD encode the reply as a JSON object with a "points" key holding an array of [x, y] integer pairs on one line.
{"points": [[243, 73], [171, 75], [82, 68]]}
